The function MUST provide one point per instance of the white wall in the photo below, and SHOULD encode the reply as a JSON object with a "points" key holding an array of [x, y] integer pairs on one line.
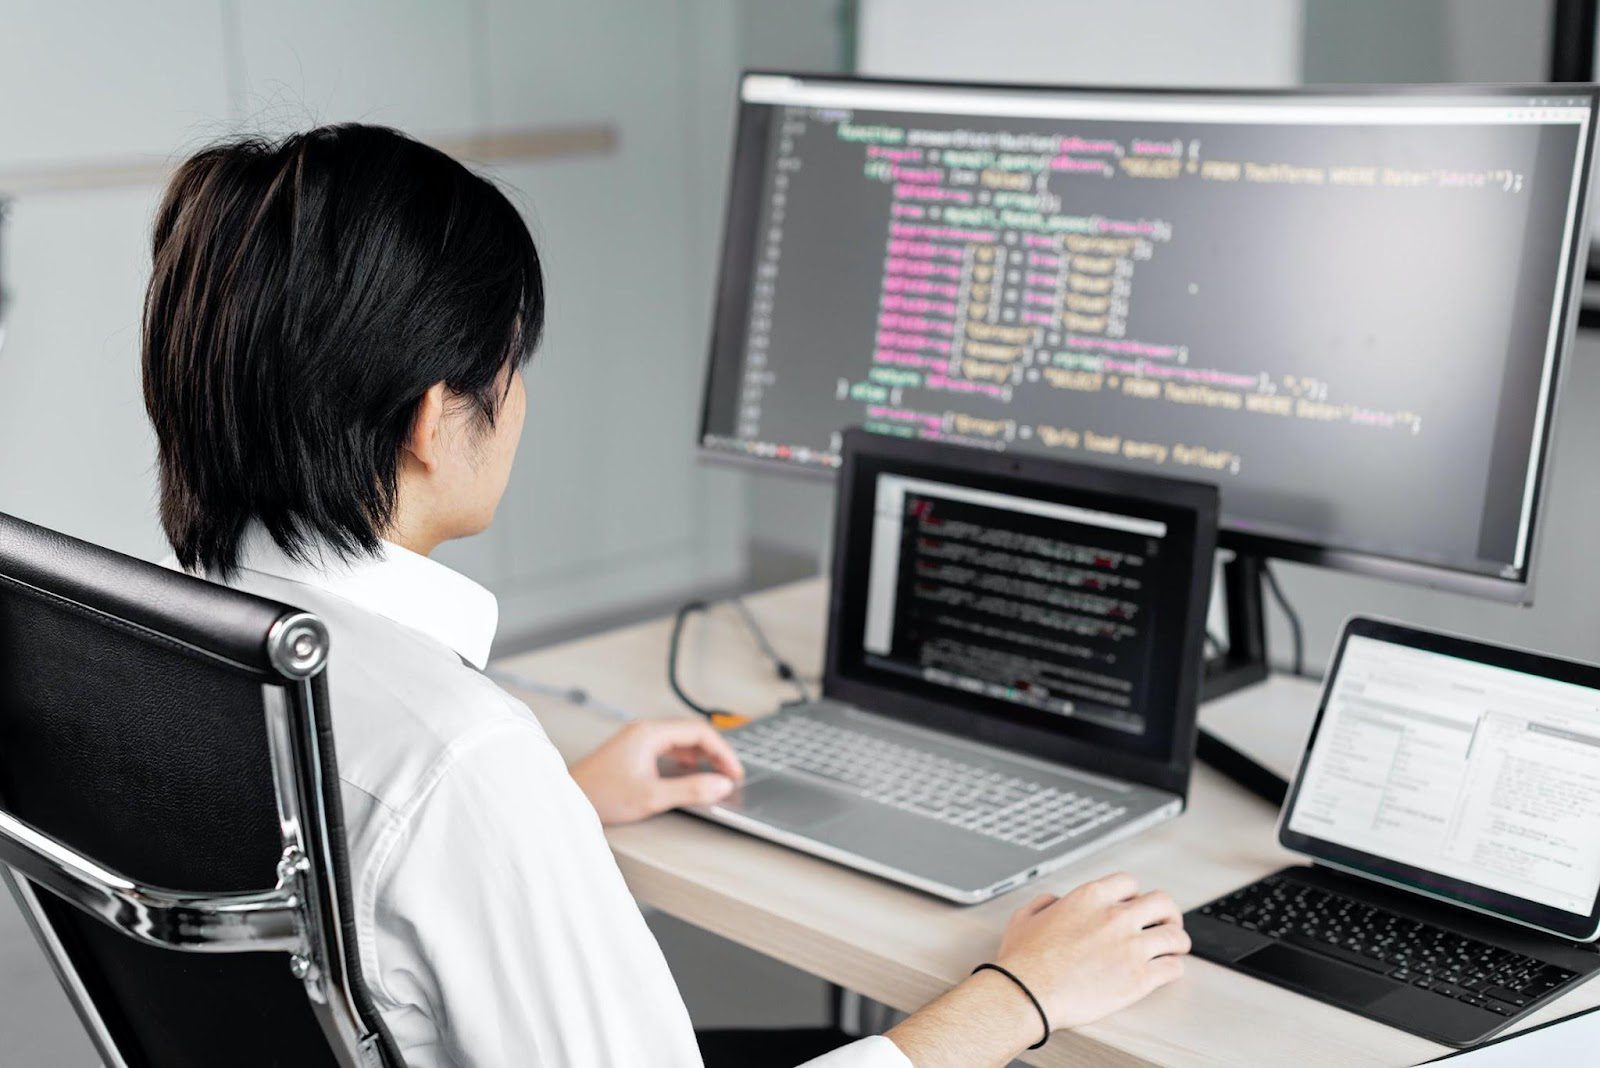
{"points": [[607, 506], [1493, 41], [1092, 42], [1427, 40], [74, 449]]}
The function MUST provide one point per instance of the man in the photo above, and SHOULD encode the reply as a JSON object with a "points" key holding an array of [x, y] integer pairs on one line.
{"points": [[333, 338]]}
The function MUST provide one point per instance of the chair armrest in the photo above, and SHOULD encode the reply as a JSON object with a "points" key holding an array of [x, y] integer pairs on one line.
{"points": [[252, 921]]}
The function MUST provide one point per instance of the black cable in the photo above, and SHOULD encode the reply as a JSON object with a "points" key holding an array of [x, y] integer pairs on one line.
{"points": [[672, 658], [1295, 632], [783, 668], [780, 665]]}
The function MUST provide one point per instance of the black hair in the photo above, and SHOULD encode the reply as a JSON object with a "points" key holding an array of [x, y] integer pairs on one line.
{"points": [[305, 293]]}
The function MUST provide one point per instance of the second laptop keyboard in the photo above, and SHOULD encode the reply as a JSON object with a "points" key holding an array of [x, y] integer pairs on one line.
{"points": [[1407, 951], [1005, 807]]}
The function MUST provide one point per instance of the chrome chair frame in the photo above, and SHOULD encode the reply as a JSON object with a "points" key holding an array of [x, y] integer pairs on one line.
{"points": [[299, 916]]}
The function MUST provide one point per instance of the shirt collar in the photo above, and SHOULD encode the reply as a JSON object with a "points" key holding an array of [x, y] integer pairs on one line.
{"points": [[398, 584]]}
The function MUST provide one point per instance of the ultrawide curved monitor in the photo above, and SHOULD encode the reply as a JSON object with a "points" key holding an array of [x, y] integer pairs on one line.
{"points": [[1347, 308]]}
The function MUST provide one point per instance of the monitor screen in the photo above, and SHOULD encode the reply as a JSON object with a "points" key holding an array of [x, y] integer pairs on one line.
{"points": [[1480, 775], [1345, 309]]}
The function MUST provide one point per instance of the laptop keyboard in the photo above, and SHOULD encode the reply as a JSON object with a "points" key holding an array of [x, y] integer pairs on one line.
{"points": [[991, 803], [1407, 951]]}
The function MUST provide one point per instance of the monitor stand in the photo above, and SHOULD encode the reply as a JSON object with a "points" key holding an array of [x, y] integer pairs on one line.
{"points": [[1242, 664]]}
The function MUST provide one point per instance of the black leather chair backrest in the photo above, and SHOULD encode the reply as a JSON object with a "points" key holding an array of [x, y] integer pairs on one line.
{"points": [[132, 730]]}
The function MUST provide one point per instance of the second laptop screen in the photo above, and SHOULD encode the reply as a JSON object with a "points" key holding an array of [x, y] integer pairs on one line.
{"points": [[1467, 770]]}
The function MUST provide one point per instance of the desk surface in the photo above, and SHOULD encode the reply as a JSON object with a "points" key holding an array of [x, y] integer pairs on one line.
{"points": [[903, 948]]}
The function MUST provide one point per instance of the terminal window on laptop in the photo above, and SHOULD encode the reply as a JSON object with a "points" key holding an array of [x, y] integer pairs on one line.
{"points": [[1013, 659], [1450, 797], [966, 590]]}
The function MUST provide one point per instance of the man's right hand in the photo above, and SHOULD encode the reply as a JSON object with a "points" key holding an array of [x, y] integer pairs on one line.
{"points": [[1084, 956], [1098, 949]]}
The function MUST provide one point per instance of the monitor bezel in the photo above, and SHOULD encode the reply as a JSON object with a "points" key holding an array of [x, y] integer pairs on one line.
{"points": [[1198, 500], [1408, 877], [739, 235]]}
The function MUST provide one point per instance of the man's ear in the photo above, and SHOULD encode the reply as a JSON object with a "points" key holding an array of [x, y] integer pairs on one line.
{"points": [[423, 440]]}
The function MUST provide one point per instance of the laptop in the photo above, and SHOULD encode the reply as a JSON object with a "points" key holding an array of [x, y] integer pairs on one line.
{"points": [[1013, 658], [1449, 800]]}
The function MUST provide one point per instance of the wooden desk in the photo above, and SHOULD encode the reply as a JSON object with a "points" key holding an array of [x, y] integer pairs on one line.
{"points": [[903, 948]]}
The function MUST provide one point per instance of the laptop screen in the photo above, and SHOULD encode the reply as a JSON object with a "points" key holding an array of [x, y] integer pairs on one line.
{"points": [[1477, 775], [1030, 603], [1043, 605]]}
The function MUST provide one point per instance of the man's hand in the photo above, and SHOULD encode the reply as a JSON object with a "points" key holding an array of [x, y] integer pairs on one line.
{"points": [[1099, 949], [1084, 956], [623, 778]]}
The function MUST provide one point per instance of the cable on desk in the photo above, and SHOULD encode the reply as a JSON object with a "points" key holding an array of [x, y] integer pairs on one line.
{"points": [[719, 717], [684, 612], [1295, 631], [785, 671]]}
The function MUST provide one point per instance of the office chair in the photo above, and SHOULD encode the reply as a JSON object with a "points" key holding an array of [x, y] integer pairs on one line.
{"points": [[169, 812]]}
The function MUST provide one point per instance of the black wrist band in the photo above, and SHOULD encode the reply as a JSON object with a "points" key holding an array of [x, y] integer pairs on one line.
{"points": [[1024, 988]]}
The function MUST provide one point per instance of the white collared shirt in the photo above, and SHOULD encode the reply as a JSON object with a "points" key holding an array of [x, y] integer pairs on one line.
{"points": [[493, 925]]}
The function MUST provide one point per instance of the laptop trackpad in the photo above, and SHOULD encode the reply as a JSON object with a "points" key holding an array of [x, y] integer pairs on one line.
{"points": [[1342, 983], [788, 802]]}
